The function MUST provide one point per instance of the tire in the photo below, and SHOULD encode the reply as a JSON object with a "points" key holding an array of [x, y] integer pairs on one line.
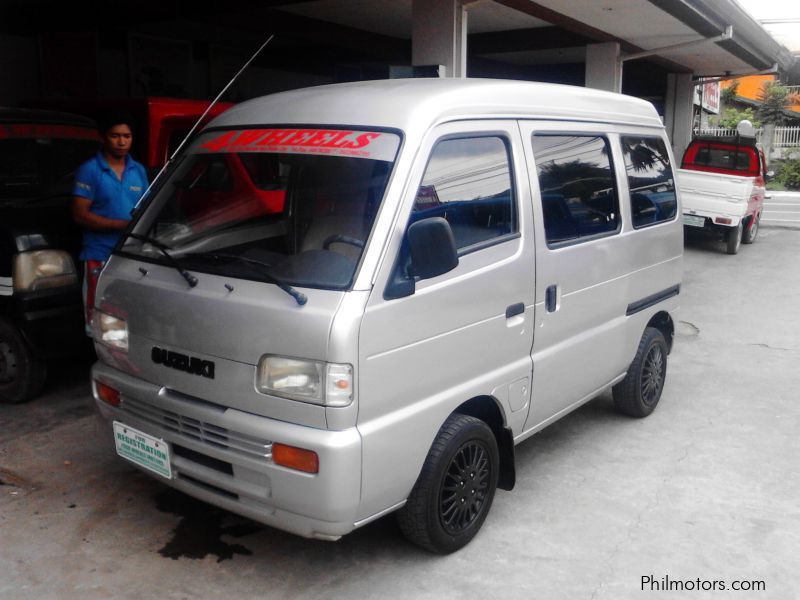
{"points": [[733, 239], [22, 375], [638, 394], [453, 494], [752, 231]]}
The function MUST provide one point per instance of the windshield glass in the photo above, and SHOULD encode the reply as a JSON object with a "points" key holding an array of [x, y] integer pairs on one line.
{"points": [[292, 205], [34, 167]]}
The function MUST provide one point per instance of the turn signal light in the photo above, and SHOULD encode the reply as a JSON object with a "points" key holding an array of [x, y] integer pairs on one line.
{"points": [[295, 458], [106, 393]]}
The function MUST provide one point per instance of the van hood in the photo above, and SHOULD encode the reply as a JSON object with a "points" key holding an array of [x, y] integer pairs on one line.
{"points": [[211, 324]]}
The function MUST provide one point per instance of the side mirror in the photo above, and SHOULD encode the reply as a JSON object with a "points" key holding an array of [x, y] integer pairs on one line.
{"points": [[432, 247], [432, 251]]}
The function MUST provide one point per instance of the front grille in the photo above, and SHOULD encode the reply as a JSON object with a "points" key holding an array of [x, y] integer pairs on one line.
{"points": [[203, 459], [207, 433]]}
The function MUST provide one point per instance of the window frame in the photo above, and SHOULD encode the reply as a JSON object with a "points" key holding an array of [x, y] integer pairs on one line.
{"points": [[628, 183], [607, 138], [475, 256], [504, 138]]}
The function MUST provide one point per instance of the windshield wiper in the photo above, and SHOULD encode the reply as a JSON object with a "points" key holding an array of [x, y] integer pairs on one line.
{"points": [[190, 279], [299, 297]]}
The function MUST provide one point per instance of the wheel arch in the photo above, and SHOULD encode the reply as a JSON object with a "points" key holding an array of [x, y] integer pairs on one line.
{"points": [[489, 410], [663, 322]]}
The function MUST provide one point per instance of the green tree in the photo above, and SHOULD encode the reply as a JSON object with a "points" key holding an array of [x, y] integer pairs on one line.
{"points": [[774, 98], [728, 95], [731, 116]]}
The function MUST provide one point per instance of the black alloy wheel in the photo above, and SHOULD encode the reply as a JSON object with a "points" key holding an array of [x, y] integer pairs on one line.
{"points": [[653, 375], [454, 491], [465, 488], [638, 394]]}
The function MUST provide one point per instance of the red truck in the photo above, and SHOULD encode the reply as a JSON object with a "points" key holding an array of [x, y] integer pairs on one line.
{"points": [[722, 184]]}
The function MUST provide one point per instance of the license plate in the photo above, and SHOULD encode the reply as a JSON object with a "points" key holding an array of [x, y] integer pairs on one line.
{"points": [[694, 221], [142, 449]]}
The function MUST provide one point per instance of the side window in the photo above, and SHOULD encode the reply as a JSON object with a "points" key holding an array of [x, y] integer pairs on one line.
{"points": [[650, 180], [577, 186], [468, 183]]}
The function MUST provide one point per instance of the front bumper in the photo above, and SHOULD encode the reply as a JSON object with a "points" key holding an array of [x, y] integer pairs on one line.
{"points": [[51, 320], [223, 456]]}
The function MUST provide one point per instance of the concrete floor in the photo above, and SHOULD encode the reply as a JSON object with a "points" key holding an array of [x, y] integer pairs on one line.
{"points": [[707, 487]]}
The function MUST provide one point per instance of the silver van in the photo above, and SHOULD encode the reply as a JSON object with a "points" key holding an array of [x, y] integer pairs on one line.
{"points": [[355, 299]]}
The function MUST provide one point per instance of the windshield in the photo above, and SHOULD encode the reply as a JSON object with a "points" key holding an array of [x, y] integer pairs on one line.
{"points": [[34, 167], [292, 205]]}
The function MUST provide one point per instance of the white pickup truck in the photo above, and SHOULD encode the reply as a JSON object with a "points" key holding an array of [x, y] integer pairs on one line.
{"points": [[722, 183]]}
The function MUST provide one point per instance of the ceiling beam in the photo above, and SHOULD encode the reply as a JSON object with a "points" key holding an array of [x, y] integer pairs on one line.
{"points": [[592, 33]]}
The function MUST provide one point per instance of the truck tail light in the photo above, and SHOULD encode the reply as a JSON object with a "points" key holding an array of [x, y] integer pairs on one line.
{"points": [[295, 458], [106, 393], [722, 220]]}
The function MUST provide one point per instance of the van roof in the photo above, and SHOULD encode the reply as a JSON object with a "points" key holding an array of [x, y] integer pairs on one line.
{"points": [[416, 104]]}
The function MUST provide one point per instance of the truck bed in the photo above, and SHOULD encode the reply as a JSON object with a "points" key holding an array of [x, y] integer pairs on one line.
{"points": [[713, 194]]}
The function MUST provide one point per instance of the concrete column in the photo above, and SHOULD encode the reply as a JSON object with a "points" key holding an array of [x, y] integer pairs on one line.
{"points": [[603, 67], [439, 35], [678, 111]]}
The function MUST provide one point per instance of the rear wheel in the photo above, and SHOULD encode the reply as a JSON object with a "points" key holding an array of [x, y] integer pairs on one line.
{"points": [[733, 240], [638, 394], [752, 230], [22, 374], [454, 491]]}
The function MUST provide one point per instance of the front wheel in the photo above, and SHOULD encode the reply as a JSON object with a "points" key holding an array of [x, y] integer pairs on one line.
{"points": [[733, 240], [22, 374], [638, 394], [752, 231], [453, 494]]}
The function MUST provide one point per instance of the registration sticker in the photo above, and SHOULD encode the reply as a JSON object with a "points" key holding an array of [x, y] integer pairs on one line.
{"points": [[694, 221], [142, 449]]}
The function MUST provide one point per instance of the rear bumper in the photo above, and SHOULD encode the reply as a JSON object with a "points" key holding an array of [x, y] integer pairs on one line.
{"points": [[223, 456], [709, 219]]}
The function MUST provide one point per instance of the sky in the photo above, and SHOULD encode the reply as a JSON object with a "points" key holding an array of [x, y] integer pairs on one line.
{"points": [[786, 33]]}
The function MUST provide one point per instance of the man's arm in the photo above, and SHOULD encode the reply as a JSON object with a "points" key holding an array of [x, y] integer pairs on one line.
{"points": [[84, 217]]}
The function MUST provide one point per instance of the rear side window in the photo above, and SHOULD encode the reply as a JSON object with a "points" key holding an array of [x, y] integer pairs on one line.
{"points": [[650, 180], [722, 157], [468, 183], [577, 187]]}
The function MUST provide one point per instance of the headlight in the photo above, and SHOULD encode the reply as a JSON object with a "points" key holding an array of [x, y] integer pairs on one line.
{"points": [[329, 384], [40, 269], [110, 331]]}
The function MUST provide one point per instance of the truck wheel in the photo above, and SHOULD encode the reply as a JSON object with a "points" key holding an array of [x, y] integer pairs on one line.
{"points": [[752, 231], [638, 394], [22, 374], [733, 240], [454, 492]]}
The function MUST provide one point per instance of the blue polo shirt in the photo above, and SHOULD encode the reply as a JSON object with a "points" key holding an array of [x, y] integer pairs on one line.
{"points": [[111, 197]]}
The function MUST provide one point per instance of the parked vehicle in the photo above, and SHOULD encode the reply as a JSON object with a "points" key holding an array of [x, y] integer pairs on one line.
{"points": [[722, 182], [41, 312], [451, 266], [161, 123]]}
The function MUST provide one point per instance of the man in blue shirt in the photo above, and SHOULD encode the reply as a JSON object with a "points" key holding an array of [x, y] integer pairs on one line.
{"points": [[107, 188]]}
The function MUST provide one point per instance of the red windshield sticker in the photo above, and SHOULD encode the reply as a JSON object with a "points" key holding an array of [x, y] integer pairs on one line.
{"points": [[339, 142]]}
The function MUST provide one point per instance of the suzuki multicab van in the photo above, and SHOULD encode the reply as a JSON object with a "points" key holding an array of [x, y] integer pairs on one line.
{"points": [[431, 272]]}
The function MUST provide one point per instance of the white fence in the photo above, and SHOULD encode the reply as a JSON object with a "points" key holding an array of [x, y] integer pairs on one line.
{"points": [[785, 137]]}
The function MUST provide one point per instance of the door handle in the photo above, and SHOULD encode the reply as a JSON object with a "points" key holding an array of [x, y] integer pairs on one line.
{"points": [[551, 298], [515, 309]]}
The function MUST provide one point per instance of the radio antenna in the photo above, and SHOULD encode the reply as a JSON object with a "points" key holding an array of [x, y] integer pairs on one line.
{"points": [[203, 116]]}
